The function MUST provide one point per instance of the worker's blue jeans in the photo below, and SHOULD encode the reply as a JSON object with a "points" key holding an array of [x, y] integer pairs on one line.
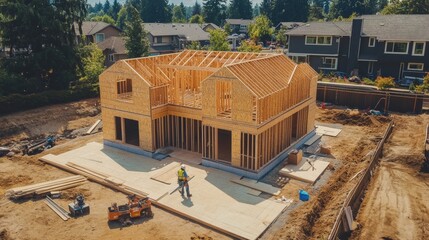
{"points": [[182, 185]]}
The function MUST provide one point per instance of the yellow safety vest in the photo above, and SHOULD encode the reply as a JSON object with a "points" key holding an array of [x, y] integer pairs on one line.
{"points": [[181, 175]]}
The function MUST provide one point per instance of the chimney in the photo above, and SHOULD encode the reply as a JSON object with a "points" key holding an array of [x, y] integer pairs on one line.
{"points": [[355, 38]]}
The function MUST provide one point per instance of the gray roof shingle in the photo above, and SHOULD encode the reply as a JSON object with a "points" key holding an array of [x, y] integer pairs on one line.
{"points": [[192, 31], [116, 44], [397, 27], [90, 28], [323, 28], [384, 27], [239, 21]]}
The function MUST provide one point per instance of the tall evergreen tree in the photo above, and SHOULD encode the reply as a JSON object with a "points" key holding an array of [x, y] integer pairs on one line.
{"points": [[178, 15], [183, 9], [97, 7], [156, 11], [290, 11], [136, 40], [345, 8], [122, 17], [116, 7], [214, 11], [42, 41], [196, 10], [107, 8], [267, 8], [381, 4], [256, 10], [240, 9]]}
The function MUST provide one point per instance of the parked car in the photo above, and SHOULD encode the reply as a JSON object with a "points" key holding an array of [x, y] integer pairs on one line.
{"points": [[407, 80]]}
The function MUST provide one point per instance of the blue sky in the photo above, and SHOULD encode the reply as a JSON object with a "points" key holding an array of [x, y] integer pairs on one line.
{"points": [[186, 2]]}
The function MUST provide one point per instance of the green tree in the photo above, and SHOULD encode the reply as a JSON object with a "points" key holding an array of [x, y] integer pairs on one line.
{"points": [[156, 11], [107, 9], [345, 8], [424, 88], [105, 18], [214, 11], [196, 19], [196, 10], [281, 37], [194, 45], [256, 10], [178, 15], [240, 9], [116, 7], [93, 64], [267, 8], [122, 17], [261, 29], [41, 38], [381, 4], [183, 8], [136, 41], [315, 13], [218, 40], [249, 46], [227, 28], [290, 11], [407, 7]]}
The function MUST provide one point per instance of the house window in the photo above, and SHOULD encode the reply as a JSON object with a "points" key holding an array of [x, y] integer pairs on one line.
{"points": [[124, 88], [396, 47], [329, 63], [370, 67], [415, 66], [419, 48], [318, 40], [99, 37], [158, 39], [111, 58], [371, 42], [118, 128]]}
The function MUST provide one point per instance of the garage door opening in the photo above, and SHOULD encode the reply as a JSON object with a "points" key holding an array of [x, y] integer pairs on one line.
{"points": [[132, 132], [224, 145]]}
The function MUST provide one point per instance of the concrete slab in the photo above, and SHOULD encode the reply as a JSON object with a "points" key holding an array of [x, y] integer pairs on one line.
{"points": [[304, 171], [215, 202]]}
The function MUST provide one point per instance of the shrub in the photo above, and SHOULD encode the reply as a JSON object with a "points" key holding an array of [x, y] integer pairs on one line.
{"points": [[368, 81], [19, 102], [384, 83]]}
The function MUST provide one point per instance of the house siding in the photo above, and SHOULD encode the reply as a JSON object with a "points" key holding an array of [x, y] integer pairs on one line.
{"points": [[297, 45]]}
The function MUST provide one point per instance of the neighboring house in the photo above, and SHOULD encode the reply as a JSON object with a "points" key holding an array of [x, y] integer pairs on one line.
{"points": [[96, 32], [239, 25], [113, 49], [210, 26], [240, 111], [386, 45], [173, 37], [288, 25]]}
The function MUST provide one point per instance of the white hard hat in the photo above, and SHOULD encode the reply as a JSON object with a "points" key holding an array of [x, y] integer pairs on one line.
{"points": [[182, 166]]}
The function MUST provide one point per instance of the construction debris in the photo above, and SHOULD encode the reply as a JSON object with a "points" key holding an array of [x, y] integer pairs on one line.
{"points": [[45, 187], [61, 212], [93, 127]]}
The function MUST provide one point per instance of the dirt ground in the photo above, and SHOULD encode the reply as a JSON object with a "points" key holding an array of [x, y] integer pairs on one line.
{"points": [[396, 205], [32, 219]]}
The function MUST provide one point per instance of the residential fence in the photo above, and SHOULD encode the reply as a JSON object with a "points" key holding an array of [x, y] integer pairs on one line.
{"points": [[368, 97], [350, 208]]}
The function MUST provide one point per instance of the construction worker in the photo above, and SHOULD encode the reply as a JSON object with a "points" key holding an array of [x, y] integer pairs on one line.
{"points": [[183, 180]]}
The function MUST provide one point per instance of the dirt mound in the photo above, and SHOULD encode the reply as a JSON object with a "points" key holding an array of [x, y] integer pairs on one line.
{"points": [[414, 161], [12, 180], [351, 117], [71, 194]]}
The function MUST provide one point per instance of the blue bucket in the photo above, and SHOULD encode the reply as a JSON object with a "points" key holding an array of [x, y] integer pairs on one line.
{"points": [[303, 195]]}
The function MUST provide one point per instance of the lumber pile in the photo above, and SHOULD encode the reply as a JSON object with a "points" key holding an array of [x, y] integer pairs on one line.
{"points": [[45, 187], [95, 176], [61, 212]]}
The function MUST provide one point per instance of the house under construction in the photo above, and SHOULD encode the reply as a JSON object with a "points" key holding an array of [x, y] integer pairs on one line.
{"points": [[241, 111]]}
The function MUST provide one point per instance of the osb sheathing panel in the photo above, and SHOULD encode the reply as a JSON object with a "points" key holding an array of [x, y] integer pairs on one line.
{"points": [[235, 150], [242, 103], [145, 126], [139, 102]]}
